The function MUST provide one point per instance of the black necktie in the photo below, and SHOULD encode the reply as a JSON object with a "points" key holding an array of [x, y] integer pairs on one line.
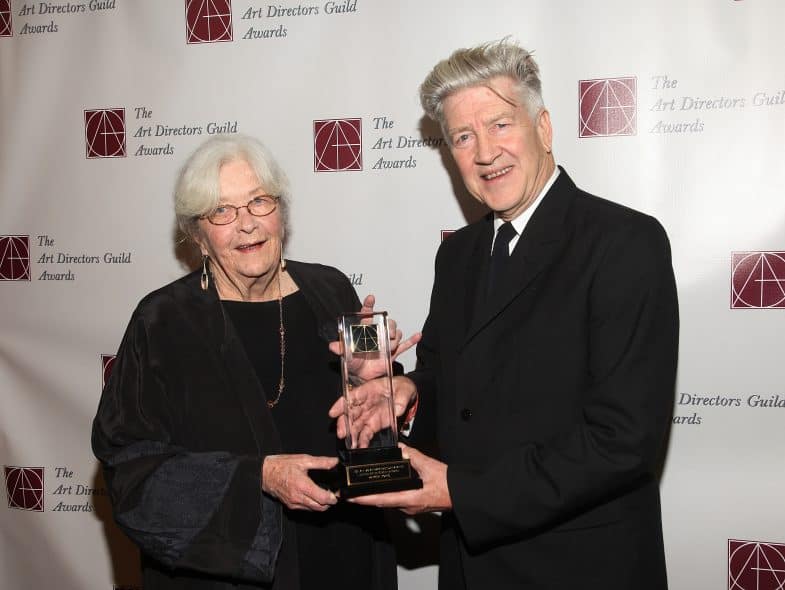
{"points": [[500, 254]]}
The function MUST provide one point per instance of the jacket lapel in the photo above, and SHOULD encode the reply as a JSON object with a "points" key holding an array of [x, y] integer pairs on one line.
{"points": [[474, 282], [535, 251]]}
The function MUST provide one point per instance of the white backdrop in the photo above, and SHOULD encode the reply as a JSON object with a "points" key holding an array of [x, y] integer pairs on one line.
{"points": [[684, 119]]}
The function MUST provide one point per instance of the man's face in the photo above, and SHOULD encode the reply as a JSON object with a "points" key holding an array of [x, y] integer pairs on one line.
{"points": [[503, 156]]}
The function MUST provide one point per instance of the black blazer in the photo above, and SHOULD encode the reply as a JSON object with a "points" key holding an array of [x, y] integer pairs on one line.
{"points": [[554, 397]]}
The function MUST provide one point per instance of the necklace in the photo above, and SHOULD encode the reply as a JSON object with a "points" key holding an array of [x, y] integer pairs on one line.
{"points": [[282, 332]]}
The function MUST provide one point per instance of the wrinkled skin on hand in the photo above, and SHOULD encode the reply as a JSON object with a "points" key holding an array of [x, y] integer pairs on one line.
{"points": [[432, 497], [285, 477], [368, 411]]}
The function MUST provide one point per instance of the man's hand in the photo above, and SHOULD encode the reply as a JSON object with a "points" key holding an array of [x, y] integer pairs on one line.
{"points": [[433, 497], [368, 408], [367, 369]]}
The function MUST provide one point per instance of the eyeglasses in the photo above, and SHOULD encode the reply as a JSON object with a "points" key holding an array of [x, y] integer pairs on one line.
{"points": [[258, 207]]}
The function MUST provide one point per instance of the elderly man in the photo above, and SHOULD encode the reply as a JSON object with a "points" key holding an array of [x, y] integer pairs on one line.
{"points": [[549, 350]]}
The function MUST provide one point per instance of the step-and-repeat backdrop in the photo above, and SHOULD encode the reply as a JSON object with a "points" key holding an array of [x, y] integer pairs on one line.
{"points": [[674, 108]]}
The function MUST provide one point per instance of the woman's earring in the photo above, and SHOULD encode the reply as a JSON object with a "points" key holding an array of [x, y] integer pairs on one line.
{"points": [[205, 277], [283, 262]]}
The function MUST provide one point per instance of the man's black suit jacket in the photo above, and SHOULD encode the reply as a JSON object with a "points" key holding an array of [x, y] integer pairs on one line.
{"points": [[554, 395]]}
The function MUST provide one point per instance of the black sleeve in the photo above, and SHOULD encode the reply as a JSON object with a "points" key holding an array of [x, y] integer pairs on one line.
{"points": [[203, 511]]}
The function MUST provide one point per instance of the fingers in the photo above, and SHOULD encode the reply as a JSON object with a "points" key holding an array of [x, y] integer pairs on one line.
{"points": [[338, 408], [414, 456], [338, 411], [318, 499], [286, 478], [368, 412], [417, 459], [394, 332], [368, 303], [404, 391], [336, 347], [341, 428], [403, 500], [405, 345], [313, 462], [310, 497]]}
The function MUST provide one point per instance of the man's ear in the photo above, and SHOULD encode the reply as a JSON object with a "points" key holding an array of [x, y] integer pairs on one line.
{"points": [[545, 131]]}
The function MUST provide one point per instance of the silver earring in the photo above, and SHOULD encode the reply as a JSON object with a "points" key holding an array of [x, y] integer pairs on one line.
{"points": [[205, 277], [283, 262]]}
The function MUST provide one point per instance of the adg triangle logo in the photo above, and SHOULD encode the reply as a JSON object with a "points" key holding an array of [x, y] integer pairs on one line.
{"points": [[14, 258], [6, 27], [755, 565], [758, 280], [208, 21], [337, 145], [25, 488], [607, 107], [105, 133]]}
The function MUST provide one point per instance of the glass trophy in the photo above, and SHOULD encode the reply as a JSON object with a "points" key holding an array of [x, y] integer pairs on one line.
{"points": [[371, 462]]}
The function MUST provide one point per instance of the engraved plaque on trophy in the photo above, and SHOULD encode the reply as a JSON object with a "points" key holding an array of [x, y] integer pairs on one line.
{"points": [[371, 463]]}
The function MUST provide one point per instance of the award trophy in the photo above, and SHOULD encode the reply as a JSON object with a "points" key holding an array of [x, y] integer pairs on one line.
{"points": [[371, 463]]}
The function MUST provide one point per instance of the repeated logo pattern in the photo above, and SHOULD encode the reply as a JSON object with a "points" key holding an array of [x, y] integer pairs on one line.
{"points": [[337, 145], [208, 21], [14, 258], [758, 280], [6, 23], [754, 565], [25, 488], [608, 107], [105, 133]]}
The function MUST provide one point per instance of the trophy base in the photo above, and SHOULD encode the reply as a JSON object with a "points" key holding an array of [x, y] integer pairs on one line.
{"points": [[368, 471]]}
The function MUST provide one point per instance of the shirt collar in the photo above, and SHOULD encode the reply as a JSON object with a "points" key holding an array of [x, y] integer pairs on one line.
{"points": [[520, 222]]}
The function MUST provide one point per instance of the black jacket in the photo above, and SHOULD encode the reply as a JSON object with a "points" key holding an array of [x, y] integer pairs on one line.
{"points": [[554, 398]]}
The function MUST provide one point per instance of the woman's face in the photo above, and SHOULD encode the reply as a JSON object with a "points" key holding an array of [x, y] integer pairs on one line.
{"points": [[246, 252]]}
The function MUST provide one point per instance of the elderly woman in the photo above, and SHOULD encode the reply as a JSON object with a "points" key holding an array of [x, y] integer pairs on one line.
{"points": [[217, 403]]}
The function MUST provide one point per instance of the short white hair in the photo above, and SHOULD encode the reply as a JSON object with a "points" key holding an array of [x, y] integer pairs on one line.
{"points": [[477, 66], [197, 191]]}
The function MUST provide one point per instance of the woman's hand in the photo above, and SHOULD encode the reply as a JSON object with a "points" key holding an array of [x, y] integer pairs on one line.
{"points": [[286, 478]]}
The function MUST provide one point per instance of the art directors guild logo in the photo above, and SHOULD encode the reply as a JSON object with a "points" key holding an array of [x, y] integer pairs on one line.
{"points": [[14, 258], [105, 133], [208, 21], [6, 27], [758, 280], [607, 107], [756, 565], [25, 488], [337, 145], [107, 363]]}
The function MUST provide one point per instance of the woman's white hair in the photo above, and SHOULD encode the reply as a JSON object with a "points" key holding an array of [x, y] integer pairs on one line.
{"points": [[197, 191]]}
